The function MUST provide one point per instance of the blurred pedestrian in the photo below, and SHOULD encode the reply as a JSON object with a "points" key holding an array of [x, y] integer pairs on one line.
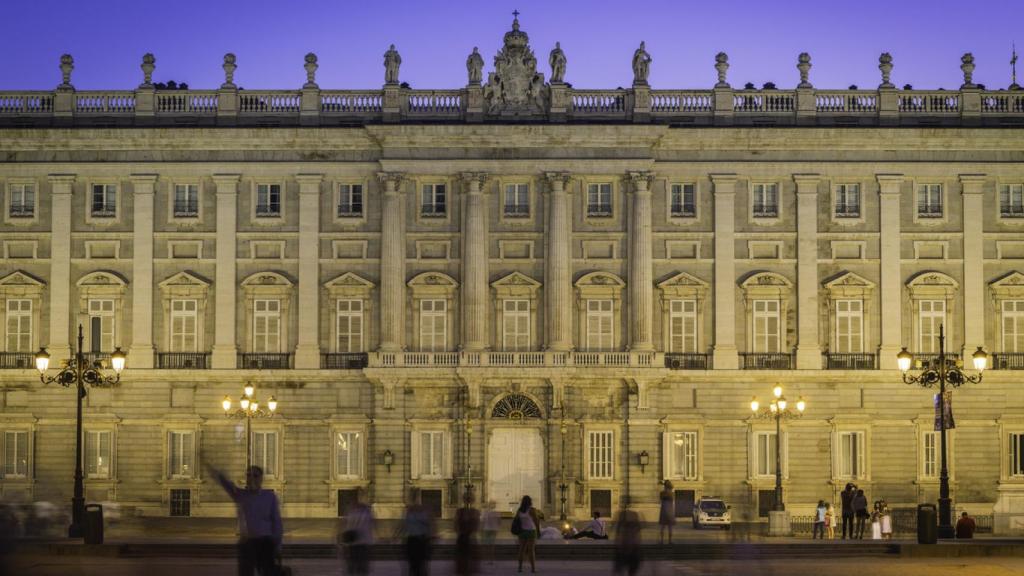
{"points": [[526, 527], [819, 521], [627, 543], [356, 538], [490, 523], [860, 511], [418, 526], [666, 512], [259, 518], [467, 522], [847, 499], [965, 526]]}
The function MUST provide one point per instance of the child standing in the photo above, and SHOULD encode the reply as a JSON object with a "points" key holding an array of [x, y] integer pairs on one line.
{"points": [[830, 522]]}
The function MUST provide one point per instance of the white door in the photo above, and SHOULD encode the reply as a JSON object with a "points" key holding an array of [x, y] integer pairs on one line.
{"points": [[515, 467]]}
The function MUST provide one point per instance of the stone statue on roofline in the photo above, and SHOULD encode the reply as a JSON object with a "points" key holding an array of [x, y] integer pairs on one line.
{"points": [[557, 62], [641, 65], [475, 67], [391, 63]]}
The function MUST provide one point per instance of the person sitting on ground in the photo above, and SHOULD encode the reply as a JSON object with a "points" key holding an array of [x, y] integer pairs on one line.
{"points": [[965, 526], [595, 529]]}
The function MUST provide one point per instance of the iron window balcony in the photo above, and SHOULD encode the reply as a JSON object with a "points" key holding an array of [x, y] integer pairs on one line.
{"points": [[686, 361], [1008, 361], [264, 360], [17, 360], [344, 360], [850, 361], [183, 360], [350, 210], [766, 361], [684, 210], [516, 211]]}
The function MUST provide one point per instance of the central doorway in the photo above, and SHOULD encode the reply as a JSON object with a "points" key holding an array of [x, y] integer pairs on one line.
{"points": [[515, 467]]}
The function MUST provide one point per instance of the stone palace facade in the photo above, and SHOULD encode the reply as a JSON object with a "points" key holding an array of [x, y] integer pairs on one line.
{"points": [[517, 286]]}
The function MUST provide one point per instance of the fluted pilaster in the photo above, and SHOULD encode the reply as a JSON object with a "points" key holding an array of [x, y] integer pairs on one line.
{"points": [[641, 281], [558, 274], [474, 264], [392, 265]]}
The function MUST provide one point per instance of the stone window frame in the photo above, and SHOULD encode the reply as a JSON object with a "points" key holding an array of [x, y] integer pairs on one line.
{"points": [[18, 423], [20, 285], [599, 285], [434, 285], [110, 426], [444, 426], [181, 423], [683, 219], [926, 424], [945, 189], [1007, 287], [999, 215], [353, 219], [834, 197], [670, 428], [276, 424], [184, 285], [349, 426], [682, 286], [932, 285], [268, 220], [849, 286], [616, 201], [102, 285], [844, 425], [200, 194], [515, 286], [1009, 426], [119, 191], [767, 286], [618, 473], [766, 220], [449, 201], [531, 198], [347, 286], [36, 203], [267, 285], [754, 429]]}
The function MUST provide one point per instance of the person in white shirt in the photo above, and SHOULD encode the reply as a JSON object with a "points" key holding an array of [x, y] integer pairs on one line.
{"points": [[595, 529], [259, 520]]}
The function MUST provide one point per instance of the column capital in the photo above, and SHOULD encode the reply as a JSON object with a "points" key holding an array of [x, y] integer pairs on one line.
{"points": [[309, 178], [558, 180], [972, 183], [719, 179], [641, 180], [144, 178], [803, 180], [890, 179], [391, 180], [225, 179], [478, 178], [62, 178]]}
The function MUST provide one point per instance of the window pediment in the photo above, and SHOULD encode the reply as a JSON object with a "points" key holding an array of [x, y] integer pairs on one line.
{"points": [[600, 285], [20, 283], [433, 284], [766, 285], [683, 285], [932, 284], [185, 284], [349, 285], [1009, 286], [267, 284], [849, 285], [514, 285], [102, 279]]}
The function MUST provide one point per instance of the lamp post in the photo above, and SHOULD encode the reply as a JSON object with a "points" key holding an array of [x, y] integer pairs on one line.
{"points": [[248, 408], [777, 410], [940, 372], [78, 371]]}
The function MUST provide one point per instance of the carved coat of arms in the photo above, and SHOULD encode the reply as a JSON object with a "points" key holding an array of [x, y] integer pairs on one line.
{"points": [[515, 87]]}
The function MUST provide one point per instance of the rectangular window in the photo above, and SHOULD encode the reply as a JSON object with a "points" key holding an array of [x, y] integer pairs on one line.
{"points": [[849, 326], [181, 451], [767, 326], [98, 450], [432, 454], [184, 325], [101, 326], [350, 326], [848, 201], [599, 200], [682, 326], [765, 200], [517, 200], [684, 200], [764, 453], [515, 332], [602, 463], [350, 200], [435, 201], [186, 200], [264, 452], [1016, 454], [348, 454], [600, 331], [15, 454], [930, 454], [22, 202], [682, 451], [1013, 326], [268, 200], [104, 201], [851, 455], [931, 314], [433, 325], [1011, 201], [19, 325], [929, 201], [266, 326]]}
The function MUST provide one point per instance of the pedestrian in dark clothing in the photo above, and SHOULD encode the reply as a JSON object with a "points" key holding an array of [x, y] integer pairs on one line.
{"points": [[419, 530], [819, 521], [965, 527], [847, 499], [259, 517], [627, 543], [860, 510], [467, 522]]}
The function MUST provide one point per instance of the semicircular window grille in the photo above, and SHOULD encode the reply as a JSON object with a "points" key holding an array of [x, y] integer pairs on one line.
{"points": [[516, 407]]}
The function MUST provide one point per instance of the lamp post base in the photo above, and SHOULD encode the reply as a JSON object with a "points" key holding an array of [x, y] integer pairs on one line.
{"points": [[946, 532], [779, 523]]}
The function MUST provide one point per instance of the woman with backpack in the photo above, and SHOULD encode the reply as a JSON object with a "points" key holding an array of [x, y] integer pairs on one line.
{"points": [[526, 527]]}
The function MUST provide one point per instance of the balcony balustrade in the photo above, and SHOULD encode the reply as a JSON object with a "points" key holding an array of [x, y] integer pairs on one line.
{"points": [[264, 361], [17, 360], [1008, 361], [690, 361], [766, 361], [183, 360], [849, 361], [344, 360]]}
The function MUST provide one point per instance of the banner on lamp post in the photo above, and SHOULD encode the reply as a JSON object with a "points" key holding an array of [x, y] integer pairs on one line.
{"points": [[947, 406]]}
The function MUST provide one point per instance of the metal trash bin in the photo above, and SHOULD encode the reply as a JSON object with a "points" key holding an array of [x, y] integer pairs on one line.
{"points": [[927, 524], [93, 524]]}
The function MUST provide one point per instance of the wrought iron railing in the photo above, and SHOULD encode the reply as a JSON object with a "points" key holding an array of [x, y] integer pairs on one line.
{"points": [[17, 360], [835, 361], [688, 361], [1008, 361], [183, 360], [766, 361], [264, 360], [344, 360]]}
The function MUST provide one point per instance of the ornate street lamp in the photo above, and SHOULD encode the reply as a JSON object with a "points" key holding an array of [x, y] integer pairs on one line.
{"points": [[79, 371], [941, 371], [778, 410], [248, 408]]}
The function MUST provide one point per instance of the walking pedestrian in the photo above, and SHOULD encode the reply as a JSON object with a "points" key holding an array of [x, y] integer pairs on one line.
{"points": [[847, 508], [819, 521], [860, 511], [356, 538], [490, 524], [627, 543], [418, 526], [259, 519], [667, 512], [526, 527], [467, 522], [830, 522]]}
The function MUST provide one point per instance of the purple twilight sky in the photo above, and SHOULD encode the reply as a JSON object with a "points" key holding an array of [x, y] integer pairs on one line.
{"points": [[762, 38]]}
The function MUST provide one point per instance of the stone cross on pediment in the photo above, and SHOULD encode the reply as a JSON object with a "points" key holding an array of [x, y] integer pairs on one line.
{"points": [[515, 88]]}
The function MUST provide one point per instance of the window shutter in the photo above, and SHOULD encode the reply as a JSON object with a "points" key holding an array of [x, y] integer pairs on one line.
{"points": [[666, 451], [416, 449]]}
